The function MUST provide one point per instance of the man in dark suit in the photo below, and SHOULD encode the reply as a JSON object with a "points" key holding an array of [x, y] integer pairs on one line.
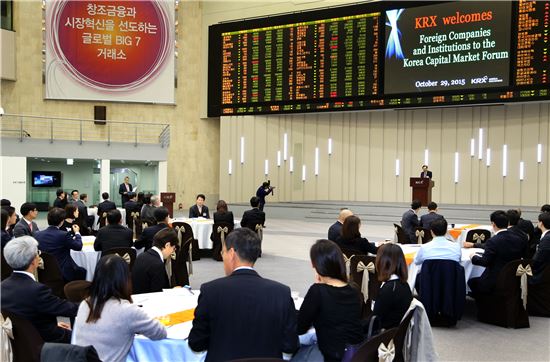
{"points": [[425, 173], [500, 249], [426, 220], [59, 243], [124, 189], [514, 217], [61, 199], [87, 220], [149, 272], [243, 315], [131, 206], [262, 192], [146, 238], [254, 216], [199, 209], [114, 234], [541, 259], [335, 230], [409, 221], [23, 296], [106, 205], [26, 226]]}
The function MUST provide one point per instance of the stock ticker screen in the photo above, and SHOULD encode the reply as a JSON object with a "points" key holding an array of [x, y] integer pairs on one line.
{"points": [[380, 55]]}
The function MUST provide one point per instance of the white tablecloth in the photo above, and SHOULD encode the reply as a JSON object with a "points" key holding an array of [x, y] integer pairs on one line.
{"points": [[202, 228], [92, 211], [88, 257], [470, 270]]}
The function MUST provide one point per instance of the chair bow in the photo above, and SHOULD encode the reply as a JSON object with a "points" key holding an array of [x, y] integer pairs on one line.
{"points": [[477, 237], [134, 215], [386, 354], [126, 257], [7, 334], [347, 261], [523, 273], [222, 232], [168, 267], [104, 214], [144, 225], [361, 267], [40, 266], [259, 230], [419, 236], [180, 230]]}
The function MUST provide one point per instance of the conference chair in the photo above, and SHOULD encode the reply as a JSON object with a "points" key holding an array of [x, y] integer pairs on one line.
{"points": [[401, 238], [260, 231], [6, 269], [62, 352], [504, 306], [77, 290], [478, 236], [442, 291], [538, 299], [364, 275], [219, 233], [375, 348], [179, 274], [399, 337], [126, 253], [50, 274], [27, 342], [423, 235], [258, 359], [186, 234], [102, 220]]}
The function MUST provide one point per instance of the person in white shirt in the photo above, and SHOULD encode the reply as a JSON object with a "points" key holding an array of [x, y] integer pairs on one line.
{"points": [[439, 247]]}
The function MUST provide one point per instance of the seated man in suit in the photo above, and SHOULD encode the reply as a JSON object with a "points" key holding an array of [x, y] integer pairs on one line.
{"points": [[105, 206], [500, 249], [243, 315], [335, 230], [426, 220], [149, 272], [254, 216], [114, 234], [541, 259], [131, 206], [23, 296], [199, 209], [26, 226], [425, 173], [59, 243], [146, 238], [439, 247], [409, 221]]}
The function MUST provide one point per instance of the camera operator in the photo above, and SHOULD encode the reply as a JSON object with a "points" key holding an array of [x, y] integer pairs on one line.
{"points": [[263, 191]]}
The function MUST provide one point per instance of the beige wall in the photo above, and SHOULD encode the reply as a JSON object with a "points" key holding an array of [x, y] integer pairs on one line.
{"points": [[193, 155], [366, 145]]}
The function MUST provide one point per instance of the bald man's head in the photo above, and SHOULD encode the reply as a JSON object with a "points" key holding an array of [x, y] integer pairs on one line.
{"points": [[344, 213]]}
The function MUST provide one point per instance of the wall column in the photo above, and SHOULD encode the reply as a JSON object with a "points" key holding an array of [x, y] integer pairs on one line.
{"points": [[105, 177], [163, 176]]}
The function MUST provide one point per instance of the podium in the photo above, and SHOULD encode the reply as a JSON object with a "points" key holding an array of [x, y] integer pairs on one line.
{"points": [[168, 199], [422, 189]]}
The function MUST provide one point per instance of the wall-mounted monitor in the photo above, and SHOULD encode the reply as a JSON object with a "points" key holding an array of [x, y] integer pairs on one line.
{"points": [[46, 179]]}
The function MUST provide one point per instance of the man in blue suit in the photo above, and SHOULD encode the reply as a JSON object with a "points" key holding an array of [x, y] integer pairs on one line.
{"points": [[59, 243]]}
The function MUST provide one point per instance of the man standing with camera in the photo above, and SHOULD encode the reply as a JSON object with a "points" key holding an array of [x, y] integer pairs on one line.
{"points": [[263, 191]]}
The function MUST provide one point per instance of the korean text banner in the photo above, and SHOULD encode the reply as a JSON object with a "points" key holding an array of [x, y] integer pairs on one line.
{"points": [[110, 50]]}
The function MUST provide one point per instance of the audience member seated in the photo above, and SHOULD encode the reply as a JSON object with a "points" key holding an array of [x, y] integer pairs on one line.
{"points": [[409, 221], [22, 295], [106, 205], [150, 202], [426, 220], [335, 229], [107, 319], [8, 219], [146, 238], [514, 217], [131, 206], [6, 205], [243, 315], [149, 273], [525, 225], [331, 305], [199, 209], [351, 238], [59, 243], [71, 218], [541, 259], [27, 226], [254, 216], [61, 199], [394, 296], [500, 249], [222, 213], [114, 234], [439, 247]]}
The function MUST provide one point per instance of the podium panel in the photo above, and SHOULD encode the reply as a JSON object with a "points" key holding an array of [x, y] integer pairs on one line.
{"points": [[422, 189]]}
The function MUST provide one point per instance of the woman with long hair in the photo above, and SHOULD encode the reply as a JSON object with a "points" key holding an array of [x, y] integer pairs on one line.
{"points": [[223, 214], [107, 319], [394, 296], [331, 305], [351, 238], [71, 218]]}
